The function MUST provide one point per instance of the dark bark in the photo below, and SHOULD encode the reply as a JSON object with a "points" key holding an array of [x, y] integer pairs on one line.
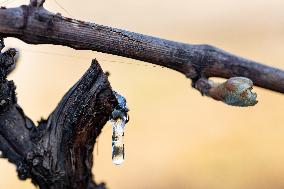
{"points": [[35, 25], [57, 154]]}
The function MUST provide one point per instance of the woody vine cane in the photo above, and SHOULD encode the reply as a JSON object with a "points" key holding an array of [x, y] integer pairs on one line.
{"points": [[58, 152]]}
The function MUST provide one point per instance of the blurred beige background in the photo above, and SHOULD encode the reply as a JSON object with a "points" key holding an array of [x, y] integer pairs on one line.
{"points": [[175, 138]]}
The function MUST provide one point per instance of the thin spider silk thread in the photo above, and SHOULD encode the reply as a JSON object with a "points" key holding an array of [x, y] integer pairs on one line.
{"points": [[72, 56], [71, 15], [81, 57], [65, 10]]}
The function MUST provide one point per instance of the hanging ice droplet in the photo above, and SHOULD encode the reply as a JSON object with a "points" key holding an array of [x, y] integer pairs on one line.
{"points": [[118, 141], [119, 118]]}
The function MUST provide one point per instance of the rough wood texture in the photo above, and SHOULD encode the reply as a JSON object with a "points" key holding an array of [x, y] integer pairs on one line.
{"points": [[35, 25], [58, 153]]}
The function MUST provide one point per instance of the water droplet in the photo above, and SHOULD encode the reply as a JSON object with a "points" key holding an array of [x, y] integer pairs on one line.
{"points": [[119, 118], [117, 140], [1, 154]]}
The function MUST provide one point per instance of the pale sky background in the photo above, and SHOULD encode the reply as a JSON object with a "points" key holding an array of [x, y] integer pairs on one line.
{"points": [[175, 138]]}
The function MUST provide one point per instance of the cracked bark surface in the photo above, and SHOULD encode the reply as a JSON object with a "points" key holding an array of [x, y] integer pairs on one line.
{"points": [[36, 25], [57, 153]]}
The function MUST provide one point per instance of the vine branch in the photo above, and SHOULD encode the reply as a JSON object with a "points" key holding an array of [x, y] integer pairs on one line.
{"points": [[57, 153], [35, 25]]}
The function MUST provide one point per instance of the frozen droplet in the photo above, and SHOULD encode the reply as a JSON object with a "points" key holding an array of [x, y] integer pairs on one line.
{"points": [[117, 140], [1, 154], [119, 118]]}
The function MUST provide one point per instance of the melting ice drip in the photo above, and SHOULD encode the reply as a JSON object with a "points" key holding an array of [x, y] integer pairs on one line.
{"points": [[118, 141], [118, 118]]}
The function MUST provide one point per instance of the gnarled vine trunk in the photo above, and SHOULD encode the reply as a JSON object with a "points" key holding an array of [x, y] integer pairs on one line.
{"points": [[57, 154]]}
